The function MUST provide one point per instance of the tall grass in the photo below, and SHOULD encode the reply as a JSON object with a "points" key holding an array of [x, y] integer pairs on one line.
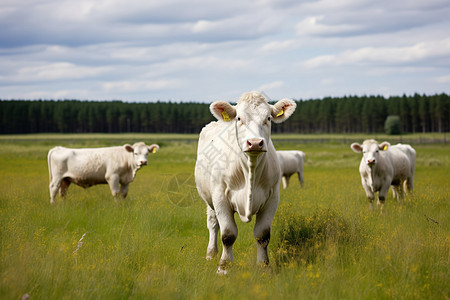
{"points": [[325, 244]]}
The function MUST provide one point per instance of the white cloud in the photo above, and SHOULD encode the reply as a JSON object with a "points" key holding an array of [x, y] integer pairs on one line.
{"points": [[319, 61], [58, 71], [64, 10], [204, 26], [271, 86], [279, 46], [327, 81], [142, 85], [331, 5], [313, 25], [208, 64], [361, 18], [59, 94], [384, 55], [443, 79]]}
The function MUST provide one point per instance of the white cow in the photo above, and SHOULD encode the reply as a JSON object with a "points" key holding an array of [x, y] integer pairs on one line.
{"points": [[407, 184], [291, 161], [383, 165], [90, 166], [237, 171]]}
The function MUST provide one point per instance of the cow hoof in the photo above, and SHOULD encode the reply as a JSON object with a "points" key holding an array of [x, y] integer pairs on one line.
{"points": [[211, 254], [222, 271]]}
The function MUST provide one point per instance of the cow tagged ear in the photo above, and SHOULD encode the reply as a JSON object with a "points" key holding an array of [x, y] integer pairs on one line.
{"points": [[384, 146], [282, 110], [223, 110], [153, 148], [356, 147], [128, 147]]}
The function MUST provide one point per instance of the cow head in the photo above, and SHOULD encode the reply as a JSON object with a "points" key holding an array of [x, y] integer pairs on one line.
{"points": [[140, 152], [371, 150], [252, 118]]}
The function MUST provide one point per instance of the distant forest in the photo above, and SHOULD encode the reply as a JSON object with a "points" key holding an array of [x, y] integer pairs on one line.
{"points": [[352, 114]]}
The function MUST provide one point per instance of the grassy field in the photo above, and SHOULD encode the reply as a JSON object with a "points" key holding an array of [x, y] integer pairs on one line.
{"points": [[325, 243]]}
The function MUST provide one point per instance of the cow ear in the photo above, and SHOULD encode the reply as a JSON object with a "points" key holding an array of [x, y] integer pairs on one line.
{"points": [[282, 110], [356, 147], [223, 110], [153, 148], [384, 146], [128, 147]]}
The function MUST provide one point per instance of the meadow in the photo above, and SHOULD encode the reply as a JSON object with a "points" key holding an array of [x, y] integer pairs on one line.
{"points": [[325, 242]]}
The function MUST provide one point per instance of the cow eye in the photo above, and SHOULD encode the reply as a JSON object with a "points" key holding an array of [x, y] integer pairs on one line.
{"points": [[239, 118], [269, 118]]}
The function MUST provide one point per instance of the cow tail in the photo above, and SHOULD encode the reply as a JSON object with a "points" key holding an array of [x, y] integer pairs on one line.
{"points": [[301, 178]]}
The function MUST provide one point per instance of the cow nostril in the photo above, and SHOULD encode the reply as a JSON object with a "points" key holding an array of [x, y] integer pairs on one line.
{"points": [[255, 144]]}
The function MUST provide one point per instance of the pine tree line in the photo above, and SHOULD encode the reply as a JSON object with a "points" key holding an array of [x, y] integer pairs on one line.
{"points": [[354, 114]]}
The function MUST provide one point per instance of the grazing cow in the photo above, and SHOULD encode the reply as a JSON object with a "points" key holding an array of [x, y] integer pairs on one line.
{"points": [[237, 171], [383, 165], [291, 161], [88, 167]]}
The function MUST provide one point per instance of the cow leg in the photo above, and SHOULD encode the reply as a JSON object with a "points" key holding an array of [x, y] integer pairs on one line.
{"points": [[370, 195], [382, 197], [124, 190], [54, 186], [397, 192], [285, 180], [261, 233], [213, 227], [113, 181], [394, 192], [408, 184], [380, 203], [64, 186], [228, 232]]}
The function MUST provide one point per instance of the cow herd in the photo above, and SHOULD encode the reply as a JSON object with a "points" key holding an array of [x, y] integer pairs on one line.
{"points": [[237, 170]]}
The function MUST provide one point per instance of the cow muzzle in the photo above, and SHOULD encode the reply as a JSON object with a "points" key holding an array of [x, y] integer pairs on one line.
{"points": [[255, 146], [371, 162]]}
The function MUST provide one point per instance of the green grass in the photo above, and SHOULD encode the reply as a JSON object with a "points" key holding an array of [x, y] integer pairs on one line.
{"points": [[325, 243]]}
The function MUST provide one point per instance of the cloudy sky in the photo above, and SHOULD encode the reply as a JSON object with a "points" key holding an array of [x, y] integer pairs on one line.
{"points": [[203, 50]]}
